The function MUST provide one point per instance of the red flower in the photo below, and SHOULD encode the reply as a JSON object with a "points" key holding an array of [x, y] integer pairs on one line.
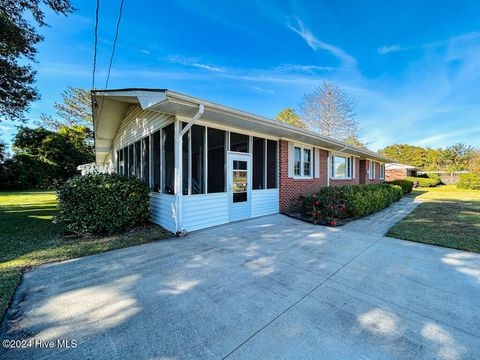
{"points": [[331, 207], [332, 222], [317, 203], [341, 209], [314, 196], [314, 213]]}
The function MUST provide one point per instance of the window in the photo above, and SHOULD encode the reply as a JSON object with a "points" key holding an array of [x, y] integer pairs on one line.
{"points": [[297, 164], [272, 164], [302, 162], [258, 163], [307, 163], [156, 161], [239, 142], [121, 164], [371, 170], [216, 160], [168, 159], [342, 167], [146, 160], [382, 171]]}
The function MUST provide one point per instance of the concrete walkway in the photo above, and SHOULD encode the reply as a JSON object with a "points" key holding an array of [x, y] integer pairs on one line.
{"points": [[267, 288], [380, 222]]}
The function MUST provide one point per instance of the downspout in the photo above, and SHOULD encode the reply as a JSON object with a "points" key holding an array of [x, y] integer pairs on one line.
{"points": [[179, 175]]}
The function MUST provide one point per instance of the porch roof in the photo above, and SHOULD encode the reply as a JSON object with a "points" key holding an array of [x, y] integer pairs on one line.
{"points": [[110, 107]]}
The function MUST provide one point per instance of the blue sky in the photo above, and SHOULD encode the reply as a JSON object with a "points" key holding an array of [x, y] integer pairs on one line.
{"points": [[413, 66]]}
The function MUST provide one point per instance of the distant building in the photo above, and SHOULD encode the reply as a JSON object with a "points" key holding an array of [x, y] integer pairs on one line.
{"points": [[399, 171]]}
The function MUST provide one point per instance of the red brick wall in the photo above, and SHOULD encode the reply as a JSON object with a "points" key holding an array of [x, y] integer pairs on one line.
{"points": [[291, 189], [395, 174]]}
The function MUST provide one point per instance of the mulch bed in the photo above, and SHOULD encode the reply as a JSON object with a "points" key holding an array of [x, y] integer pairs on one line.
{"points": [[302, 217]]}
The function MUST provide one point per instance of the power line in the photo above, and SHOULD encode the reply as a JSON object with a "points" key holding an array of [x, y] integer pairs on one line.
{"points": [[114, 43], [95, 44]]}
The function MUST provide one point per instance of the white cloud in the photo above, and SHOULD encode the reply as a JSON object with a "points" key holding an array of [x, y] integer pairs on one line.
{"points": [[435, 139], [392, 48], [304, 68], [317, 44], [193, 62]]}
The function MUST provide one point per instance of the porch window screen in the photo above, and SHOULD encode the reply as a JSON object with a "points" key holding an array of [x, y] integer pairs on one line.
{"points": [[239, 142], [156, 161], [197, 134], [138, 159], [272, 164], [168, 160], [216, 160], [258, 163], [146, 160], [131, 170], [185, 151]]}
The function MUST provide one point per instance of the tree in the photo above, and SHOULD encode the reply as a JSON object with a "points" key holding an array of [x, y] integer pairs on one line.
{"points": [[406, 154], [356, 142], [75, 109], [330, 111], [18, 38], [3, 152], [474, 162], [289, 116], [455, 157]]}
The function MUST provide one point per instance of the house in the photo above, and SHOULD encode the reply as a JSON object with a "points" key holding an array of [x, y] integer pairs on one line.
{"points": [[209, 164], [399, 171]]}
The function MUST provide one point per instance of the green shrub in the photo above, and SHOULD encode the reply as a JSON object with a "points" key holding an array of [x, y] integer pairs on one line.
{"points": [[24, 171], [103, 203], [469, 181], [406, 185], [330, 204], [423, 182]]}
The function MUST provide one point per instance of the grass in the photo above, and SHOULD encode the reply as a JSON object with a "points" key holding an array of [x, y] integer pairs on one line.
{"points": [[28, 238], [449, 217]]}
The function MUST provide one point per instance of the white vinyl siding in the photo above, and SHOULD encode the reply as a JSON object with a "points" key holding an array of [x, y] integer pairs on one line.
{"points": [[265, 202], [162, 210], [204, 210]]}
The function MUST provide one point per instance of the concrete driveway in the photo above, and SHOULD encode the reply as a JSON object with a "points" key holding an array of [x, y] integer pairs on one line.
{"points": [[271, 287]]}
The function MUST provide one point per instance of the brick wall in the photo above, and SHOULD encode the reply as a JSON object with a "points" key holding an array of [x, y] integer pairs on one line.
{"points": [[291, 189], [394, 174]]}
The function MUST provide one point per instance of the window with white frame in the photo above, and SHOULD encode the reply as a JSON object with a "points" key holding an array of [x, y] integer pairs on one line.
{"points": [[342, 167], [302, 162], [371, 170], [382, 171]]}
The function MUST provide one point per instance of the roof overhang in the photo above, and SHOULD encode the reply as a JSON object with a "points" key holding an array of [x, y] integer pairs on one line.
{"points": [[110, 106]]}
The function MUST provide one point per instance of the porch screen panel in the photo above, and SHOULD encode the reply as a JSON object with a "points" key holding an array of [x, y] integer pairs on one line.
{"points": [[185, 154], [131, 170], [156, 161], [146, 160], [198, 159], [216, 160], [169, 160], [258, 163], [239, 142], [272, 164], [137, 158]]}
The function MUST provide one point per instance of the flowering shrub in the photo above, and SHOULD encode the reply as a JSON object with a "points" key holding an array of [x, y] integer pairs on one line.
{"points": [[331, 204]]}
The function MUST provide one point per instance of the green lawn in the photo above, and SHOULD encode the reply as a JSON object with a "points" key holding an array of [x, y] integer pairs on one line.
{"points": [[28, 238], [450, 217]]}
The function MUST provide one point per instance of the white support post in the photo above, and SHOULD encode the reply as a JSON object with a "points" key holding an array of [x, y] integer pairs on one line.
{"points": [[178, 175]]}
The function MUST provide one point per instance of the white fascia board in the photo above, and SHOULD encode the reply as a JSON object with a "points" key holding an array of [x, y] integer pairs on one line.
{"points": [[149, 99]]}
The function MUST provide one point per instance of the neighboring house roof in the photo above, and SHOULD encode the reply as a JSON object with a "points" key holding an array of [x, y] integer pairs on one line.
{"points": [[110, 107], [396, 166]]}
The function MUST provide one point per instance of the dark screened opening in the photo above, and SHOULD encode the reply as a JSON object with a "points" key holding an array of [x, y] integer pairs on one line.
{"points": [[258, 163], [216, 160], [156, 161], [118, 161], [198, 159], [123, 170], [168, 164], [271, 164], [185, 163], [130, 161], [137, 158], [146, 160], [239, 142]]}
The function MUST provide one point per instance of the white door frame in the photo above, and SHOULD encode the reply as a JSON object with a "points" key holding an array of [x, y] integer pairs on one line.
{"points": [[241, 210]]}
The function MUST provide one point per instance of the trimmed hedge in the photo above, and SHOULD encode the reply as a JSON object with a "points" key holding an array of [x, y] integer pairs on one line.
{"points": [[423, 182], [469, 181], [406, 185], [330, 204], [103, 203]]}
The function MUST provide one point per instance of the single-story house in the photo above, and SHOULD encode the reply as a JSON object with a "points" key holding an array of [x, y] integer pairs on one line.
{"points": [[209, 164], [395, 171]]}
